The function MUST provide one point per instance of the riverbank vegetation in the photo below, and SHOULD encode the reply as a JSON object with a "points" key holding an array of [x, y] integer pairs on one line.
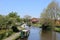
{"points": [[50, 15], [6, 22], [49, 20], [5, 33]]}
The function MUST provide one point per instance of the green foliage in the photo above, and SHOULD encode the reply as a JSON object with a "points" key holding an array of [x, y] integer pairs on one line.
{"points": [[8, 20], [49, 15], [57, 29], [27, 18], [12, 14], [5, 34], [18, 19]]}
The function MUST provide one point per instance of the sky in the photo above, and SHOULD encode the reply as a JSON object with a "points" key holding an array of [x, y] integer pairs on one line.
{"points": [[23, 7]]}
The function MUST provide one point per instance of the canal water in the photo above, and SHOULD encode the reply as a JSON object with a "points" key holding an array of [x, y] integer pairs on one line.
{"points": [[38, 34]]}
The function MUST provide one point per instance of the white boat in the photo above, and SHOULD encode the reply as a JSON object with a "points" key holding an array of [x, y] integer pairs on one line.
{"points": [[25, 32]]}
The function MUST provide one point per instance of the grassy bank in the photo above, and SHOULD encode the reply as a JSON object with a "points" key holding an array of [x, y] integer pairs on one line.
{"points": [[57, 29], [5, 33], [36, 25]]}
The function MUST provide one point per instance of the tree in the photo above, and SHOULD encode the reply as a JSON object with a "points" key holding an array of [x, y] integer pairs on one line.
{"points": [[50, 14], [3, 21], [27, 18], [8, 20], [14, 16]]}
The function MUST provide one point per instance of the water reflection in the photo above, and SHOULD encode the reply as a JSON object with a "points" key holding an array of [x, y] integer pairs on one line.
{"points": [[21, 38], [24, 39], [37, 34], [57, 36], [34, 34], [48, 35]]}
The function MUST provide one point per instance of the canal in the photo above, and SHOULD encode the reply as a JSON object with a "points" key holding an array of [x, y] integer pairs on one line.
{"points": [[38, 34]]}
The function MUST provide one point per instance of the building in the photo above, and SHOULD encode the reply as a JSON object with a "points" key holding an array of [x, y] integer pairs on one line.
{"points": [[34, 20]]}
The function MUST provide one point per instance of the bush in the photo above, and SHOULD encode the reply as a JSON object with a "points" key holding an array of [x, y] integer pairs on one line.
{"points": [[2, 36], [5, 34]]}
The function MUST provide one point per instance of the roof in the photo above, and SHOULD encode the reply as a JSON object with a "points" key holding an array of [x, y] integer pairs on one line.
{"points": [[34, 20]]}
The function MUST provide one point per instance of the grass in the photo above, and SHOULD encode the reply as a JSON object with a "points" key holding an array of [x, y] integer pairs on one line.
{"points": [[36, 25], [5, 33], [2, 34], [57, 29], [2, 31]]}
